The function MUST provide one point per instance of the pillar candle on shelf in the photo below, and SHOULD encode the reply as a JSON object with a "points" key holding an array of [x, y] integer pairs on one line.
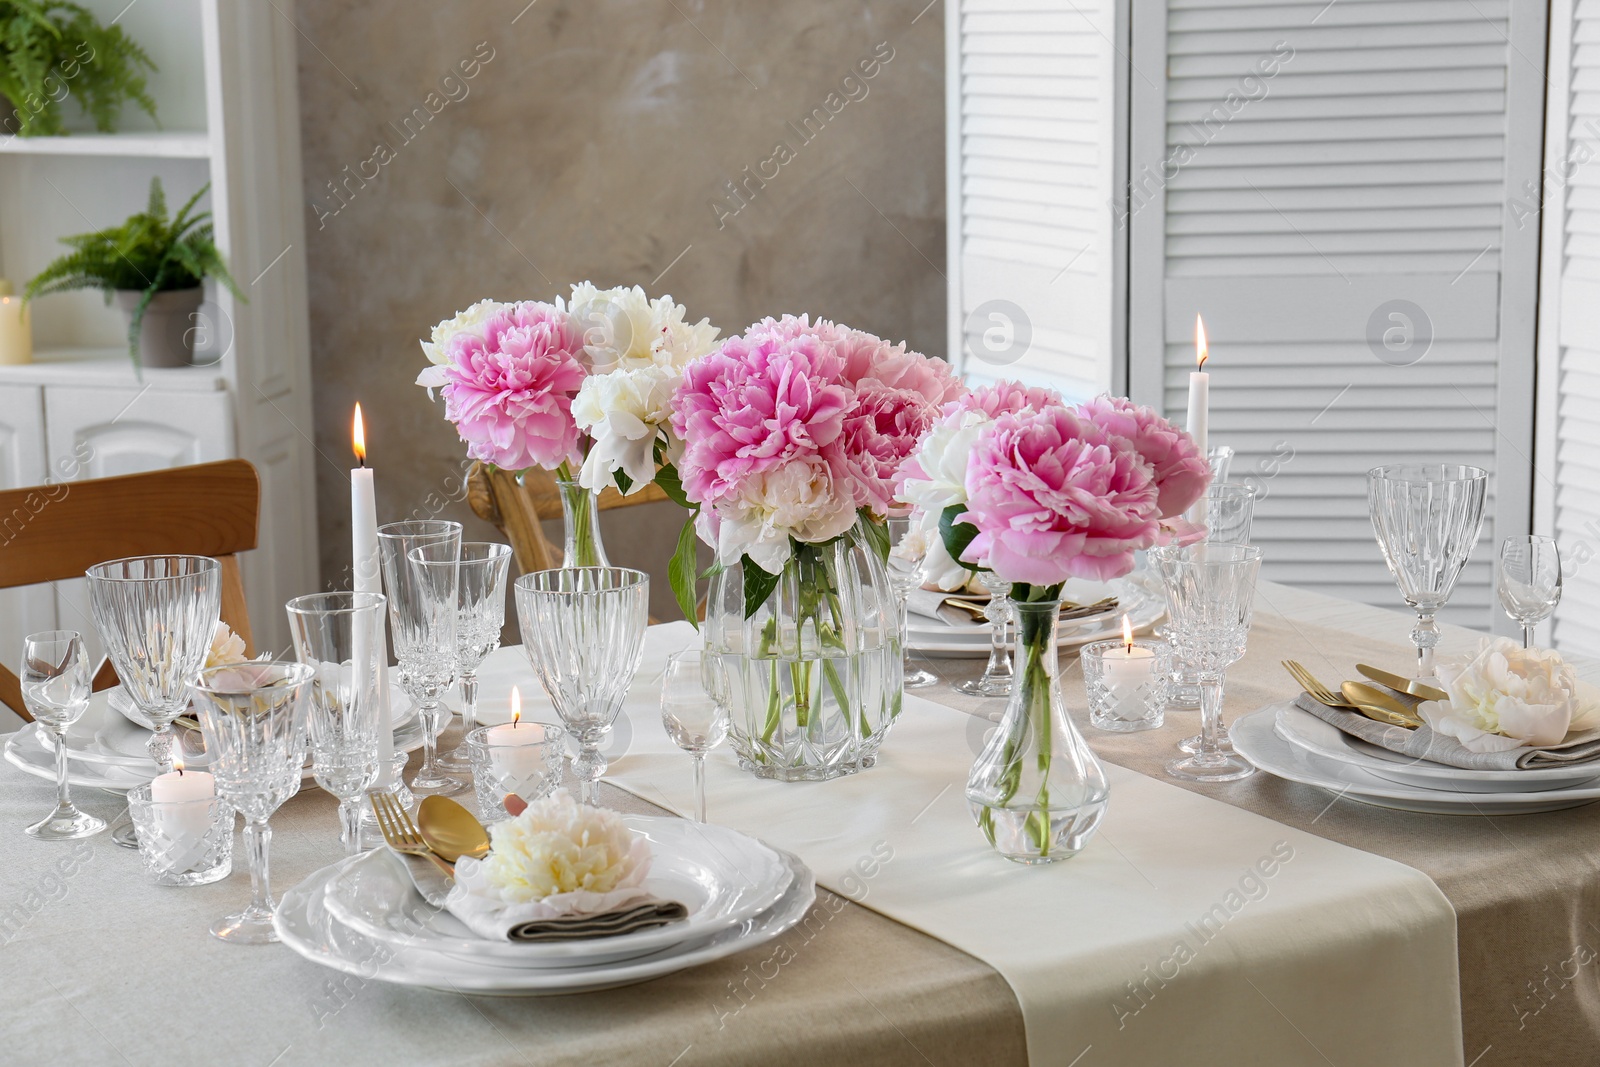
{"points": [[16, 336], [509, 745], [1127, 671], [368, 579]]}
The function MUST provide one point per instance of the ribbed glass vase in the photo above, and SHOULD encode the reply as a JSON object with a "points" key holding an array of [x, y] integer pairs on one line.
{"points": [[580, 512]]}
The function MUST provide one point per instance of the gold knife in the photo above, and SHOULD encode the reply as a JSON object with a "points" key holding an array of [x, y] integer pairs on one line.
{"points": [[1403, 685]]}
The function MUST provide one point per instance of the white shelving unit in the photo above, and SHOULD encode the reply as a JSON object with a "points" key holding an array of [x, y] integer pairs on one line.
{"points": [[226, 96]]}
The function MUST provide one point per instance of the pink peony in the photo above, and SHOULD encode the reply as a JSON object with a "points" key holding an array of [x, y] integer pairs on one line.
{"points": [[753, 405], [1053, 500], [1181, 472], [1007, 398], [509, 388]]}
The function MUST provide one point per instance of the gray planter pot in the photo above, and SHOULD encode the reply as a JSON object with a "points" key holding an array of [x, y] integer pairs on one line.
{"points": [[166, 337]]}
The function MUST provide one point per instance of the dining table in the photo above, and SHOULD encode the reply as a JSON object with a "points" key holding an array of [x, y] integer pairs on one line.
{"points": [[99, 965]]}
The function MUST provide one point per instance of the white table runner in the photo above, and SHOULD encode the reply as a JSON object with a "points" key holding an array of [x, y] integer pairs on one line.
{"points": [[1263, 944]]}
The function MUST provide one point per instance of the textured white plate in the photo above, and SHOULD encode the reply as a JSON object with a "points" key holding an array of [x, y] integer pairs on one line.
{"points": [[1325, 739], [722, 876], [306, 927], [1255, 737]]}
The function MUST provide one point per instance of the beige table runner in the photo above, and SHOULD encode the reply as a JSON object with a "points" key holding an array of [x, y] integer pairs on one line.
{"points": [[1256, 942]]}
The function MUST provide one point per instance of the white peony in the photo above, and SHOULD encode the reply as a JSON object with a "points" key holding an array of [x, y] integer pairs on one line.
{"points": [[226, 648], [622, 412], [942, 455], [559, 846], [468, 321], [1504, 697], [623, 329], [797, 500]]}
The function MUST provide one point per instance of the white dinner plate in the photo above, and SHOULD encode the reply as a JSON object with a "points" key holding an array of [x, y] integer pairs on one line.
{"points": [[308, 928], [1325, 739], [1136, 598], [1255, 737], [722, 876]]}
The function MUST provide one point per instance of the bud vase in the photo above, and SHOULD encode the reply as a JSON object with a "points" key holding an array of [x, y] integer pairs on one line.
{"points": [[815, 664], [580, 512], [1037, 791]]}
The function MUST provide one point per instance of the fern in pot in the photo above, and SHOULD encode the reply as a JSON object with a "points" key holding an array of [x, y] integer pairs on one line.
{"points": [[154, 268], [50, 49]]}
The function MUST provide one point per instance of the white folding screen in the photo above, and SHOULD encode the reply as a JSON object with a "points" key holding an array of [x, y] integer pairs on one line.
{"points": [[1331, 186], [1036, 122], [1567, 467]]}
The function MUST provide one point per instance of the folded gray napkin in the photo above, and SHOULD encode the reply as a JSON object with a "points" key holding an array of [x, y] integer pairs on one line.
{"points": [[611, 924], [431, 882], [931, 604], [1426, 743]]}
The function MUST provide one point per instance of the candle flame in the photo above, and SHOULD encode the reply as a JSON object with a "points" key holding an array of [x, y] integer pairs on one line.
{"points": [[1200, 353], [177, 756], [358, 437], [1127, 634], [516, 706]]}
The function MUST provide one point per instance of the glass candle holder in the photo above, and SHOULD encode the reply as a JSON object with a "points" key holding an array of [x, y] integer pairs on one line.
{"points": [[524, 759], [186, 842], [1127, 684]]}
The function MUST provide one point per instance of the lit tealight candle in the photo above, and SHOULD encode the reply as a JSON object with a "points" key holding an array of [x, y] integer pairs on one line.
{"points": [[1127, 672], [510, 745], [176, 813]]}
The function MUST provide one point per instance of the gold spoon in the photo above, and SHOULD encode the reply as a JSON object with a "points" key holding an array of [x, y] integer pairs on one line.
{"points": [[451, 830]]}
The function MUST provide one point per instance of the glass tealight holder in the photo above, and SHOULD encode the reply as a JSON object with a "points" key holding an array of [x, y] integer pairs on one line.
{"points": [[524, 759], [1127, 684], [186, 842]]}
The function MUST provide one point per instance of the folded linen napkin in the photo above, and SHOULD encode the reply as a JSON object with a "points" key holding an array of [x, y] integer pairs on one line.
{"points": [[1426, 743], [565, 916], [432, 883], [933, 604], [610, 924]]}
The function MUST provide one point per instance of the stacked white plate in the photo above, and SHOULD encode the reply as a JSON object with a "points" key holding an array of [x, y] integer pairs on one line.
{"points": [[364, 916], [1137, 596], [1290, 743], [106, 748]]}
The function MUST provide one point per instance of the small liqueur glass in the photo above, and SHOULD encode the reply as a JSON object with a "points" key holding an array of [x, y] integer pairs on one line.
{"points": [[253, 716], [424, 629], [523, 758], [907, 550], [583, 632], [338, 635], [995, 681], [183, 842], [1530, 581], [1127, 682], [481, 612], [55, 689], [694, 710]]}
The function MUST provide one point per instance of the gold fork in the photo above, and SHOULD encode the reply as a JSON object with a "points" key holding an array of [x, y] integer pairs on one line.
{"points": [[401, 833], [1323, 695]]}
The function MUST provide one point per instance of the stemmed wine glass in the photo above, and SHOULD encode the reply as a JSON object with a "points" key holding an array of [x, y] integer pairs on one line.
{"points": [[253, 717], [423, 622], [1230, 509], [907, 551], [156, 616], [1427, 518], [694, 710], [583, 631], [1211, 589], [480, 612], [1530, 580], [996, 678], [337, 635], [55, 689]]}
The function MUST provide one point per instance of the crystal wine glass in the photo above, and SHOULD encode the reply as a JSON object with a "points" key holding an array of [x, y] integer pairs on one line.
{"points": [[996, 678], [337, 635], [156, 616], [253, 717], [583, 631], [55, 689], [1211, 590], [1229, 514], [694, 710], [424, 630], [481, 611], [907, 550], [1427, 518], [1530, 580]]}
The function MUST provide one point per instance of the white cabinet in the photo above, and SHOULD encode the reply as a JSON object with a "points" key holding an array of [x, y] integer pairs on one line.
{"points": [[103, 432]]}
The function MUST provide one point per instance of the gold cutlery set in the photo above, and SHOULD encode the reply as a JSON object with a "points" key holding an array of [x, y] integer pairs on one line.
{"points": [[447, 832], [1392, 701]]}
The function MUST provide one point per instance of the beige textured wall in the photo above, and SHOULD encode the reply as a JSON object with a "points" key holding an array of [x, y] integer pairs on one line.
{"points": [[597, 140]]}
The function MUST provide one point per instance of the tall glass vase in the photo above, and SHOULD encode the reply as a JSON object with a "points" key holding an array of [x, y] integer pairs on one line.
{"points": [[580, 512], [815, 665], [1037, 791]]}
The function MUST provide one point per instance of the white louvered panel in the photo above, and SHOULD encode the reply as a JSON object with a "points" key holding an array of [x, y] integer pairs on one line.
{"points": [[1370, 168], [1033, 158]]}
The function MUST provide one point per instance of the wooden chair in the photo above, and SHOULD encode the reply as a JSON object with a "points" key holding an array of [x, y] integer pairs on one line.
{"points": [[518, 505], [50, 533]]}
